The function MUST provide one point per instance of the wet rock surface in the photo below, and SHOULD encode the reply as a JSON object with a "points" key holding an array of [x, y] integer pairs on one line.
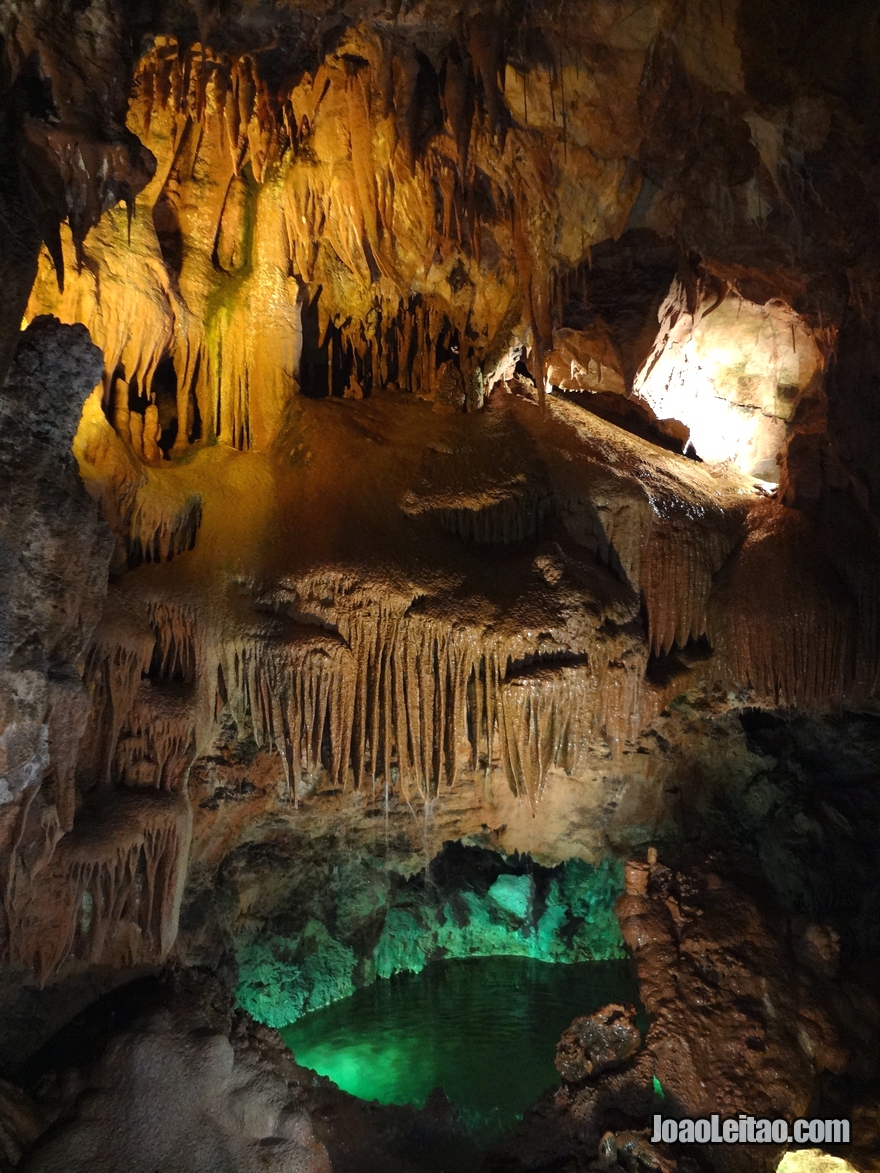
{"points": [[737, 1025], [597, 1043]]}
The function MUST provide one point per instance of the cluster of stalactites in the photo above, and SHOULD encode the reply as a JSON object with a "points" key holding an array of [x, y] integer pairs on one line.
{"points": [[331, 238], [377, 693], [142, 677], [795, 615], [683, 555], [377, 72], [153, 537], [112, 884], [412, 702], [404, 701], [117, 879], [200, 83]]}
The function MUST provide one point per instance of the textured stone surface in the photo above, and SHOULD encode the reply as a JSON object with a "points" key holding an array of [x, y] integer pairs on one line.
{"points": [[183, 1090], [597, 1042], [375, 585], [705, 956], [54, 560]]}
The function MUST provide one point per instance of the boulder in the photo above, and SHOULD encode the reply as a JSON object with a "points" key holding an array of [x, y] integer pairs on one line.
{"points": [[597, 1042]]}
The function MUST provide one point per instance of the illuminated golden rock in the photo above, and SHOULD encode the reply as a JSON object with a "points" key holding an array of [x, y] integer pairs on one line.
{"points": [[481, 392]]}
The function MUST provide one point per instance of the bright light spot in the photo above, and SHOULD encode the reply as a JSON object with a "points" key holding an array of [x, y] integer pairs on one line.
{"points": [[732, 373], [813, 1161]]}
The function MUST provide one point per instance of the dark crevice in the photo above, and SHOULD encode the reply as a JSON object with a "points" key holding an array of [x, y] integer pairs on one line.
{"points": [[664, 667]]}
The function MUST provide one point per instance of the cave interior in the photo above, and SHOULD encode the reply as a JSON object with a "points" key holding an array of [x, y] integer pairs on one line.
{"points": [[439, 585]]}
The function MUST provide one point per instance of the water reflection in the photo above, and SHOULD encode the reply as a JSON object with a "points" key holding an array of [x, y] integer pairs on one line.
{"points": [[483, 1029]]}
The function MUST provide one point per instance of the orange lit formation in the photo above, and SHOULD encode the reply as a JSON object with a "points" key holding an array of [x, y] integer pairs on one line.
{"points": [[352, 527], [439, 520]]}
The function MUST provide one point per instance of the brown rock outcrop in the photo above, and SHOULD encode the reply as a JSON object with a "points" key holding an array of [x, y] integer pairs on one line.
{"points": [[737, 1025], [597, 1042]]}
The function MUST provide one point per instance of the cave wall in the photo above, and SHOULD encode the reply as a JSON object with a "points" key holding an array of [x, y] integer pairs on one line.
{"points": [[369, 568]]}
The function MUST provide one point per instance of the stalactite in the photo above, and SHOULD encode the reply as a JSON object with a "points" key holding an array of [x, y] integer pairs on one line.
{"points": [[115, 881], [684, 550], [782, 619], [485, 41], [357, 216], [156, 533], [395, 695], [157, 742]]}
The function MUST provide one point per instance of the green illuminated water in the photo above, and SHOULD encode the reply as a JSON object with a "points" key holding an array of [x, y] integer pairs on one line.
{"points": [[470, 904], [483, 1029]]}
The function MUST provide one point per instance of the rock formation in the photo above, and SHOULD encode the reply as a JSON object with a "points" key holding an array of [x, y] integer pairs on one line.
{"points": [[476, 443], [215, 1094], [723, 1037], [597, 1042]]}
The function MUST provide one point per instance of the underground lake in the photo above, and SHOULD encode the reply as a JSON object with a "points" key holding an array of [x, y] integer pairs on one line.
{"points": [[484, 1029]]}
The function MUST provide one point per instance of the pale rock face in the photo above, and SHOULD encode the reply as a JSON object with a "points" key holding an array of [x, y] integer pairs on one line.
{"points": [[175, 1096], [734, 373]]}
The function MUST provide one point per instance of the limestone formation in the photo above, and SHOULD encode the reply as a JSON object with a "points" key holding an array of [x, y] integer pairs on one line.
{"points": [[427, 424], [597, 1042], [177, 1091]]}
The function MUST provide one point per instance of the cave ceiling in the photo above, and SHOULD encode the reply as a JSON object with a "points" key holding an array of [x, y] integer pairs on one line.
{"points": [[466, 384]]}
